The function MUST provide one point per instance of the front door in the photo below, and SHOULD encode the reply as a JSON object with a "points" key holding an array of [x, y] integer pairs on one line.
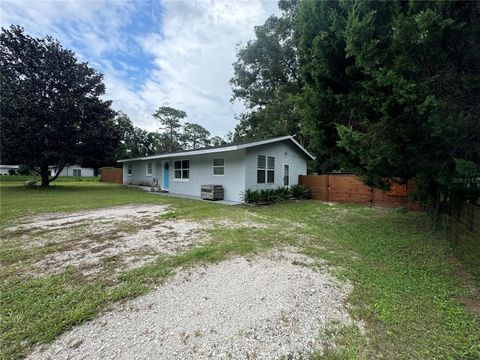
{"points": [[166, 176], [286, 175]]}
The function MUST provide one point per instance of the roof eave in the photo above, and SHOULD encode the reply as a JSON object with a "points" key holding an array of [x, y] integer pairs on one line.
{"points": [[302, 148], [222, 149]]}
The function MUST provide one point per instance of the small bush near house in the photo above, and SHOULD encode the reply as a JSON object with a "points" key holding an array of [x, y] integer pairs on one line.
{"points": [[272, 195], [301, 192]]}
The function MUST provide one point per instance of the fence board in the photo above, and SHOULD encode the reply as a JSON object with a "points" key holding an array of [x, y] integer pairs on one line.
{"points": [[349, 188], [111, 175]]}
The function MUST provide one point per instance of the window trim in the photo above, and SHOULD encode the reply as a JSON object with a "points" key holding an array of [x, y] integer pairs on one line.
{"points": [[75, 170], [181, 179], [129, 170], [218, 166], [146, 168], [268, 169]]}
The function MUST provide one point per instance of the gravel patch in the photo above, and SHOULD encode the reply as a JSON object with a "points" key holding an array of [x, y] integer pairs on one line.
{"points": [[119, 238], [54, 221], [261, 307], [130, 250]]}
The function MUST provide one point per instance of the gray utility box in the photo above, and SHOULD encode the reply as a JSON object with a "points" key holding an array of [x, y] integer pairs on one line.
{"points": [[212, 192]]}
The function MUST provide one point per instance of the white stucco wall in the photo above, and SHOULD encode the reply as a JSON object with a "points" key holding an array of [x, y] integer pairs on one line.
{"points": [[139, 173], [5, 169], [285, 152], [201, 173], [68, 171]]}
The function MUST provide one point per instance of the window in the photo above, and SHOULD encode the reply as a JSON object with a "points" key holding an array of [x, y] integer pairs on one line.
{"points": [[265, 169], [129, 170], [77, 172], [219, 167], [181, 169], [149, 168]]}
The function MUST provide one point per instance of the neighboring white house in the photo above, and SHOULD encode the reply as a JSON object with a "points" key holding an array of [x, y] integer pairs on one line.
{"points": [[73, 170], [8, 169], [255, 165]]}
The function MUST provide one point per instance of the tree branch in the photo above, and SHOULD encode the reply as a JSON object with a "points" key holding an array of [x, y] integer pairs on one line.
{"points": [[60, 168]]}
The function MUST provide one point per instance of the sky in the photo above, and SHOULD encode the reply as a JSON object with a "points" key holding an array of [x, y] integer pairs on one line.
{"points": [[153, 53]]}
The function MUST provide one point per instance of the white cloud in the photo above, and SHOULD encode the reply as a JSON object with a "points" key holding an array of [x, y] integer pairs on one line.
{"points": [[189, 51]]}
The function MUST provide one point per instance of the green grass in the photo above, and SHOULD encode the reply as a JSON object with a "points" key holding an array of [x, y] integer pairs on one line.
{"points": [[405, 290]]}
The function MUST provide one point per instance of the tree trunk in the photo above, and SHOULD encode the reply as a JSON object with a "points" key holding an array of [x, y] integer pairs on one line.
{"points": [[45, 174]]}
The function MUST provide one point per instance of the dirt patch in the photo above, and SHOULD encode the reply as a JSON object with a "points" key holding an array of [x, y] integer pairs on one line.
{"points": [[133, 235], [471, 302], [262, 307], [54, 221]]}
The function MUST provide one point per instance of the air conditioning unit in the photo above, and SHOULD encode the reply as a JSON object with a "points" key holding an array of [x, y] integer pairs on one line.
{"points": [[212, 192]]}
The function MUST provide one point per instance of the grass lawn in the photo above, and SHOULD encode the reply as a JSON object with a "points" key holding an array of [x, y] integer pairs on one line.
{"points": [[405, 287]]}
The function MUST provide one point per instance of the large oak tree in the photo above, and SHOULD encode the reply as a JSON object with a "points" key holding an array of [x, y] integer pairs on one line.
{"points": [[52, 113]]}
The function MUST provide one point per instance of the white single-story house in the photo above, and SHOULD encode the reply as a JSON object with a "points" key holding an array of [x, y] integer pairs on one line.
{"points": [[237, 167], [8, 169], [73, 170]]}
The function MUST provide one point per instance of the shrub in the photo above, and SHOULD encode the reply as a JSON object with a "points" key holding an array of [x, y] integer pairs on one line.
{"points": [[301, 192], [24, 170], [272, 195]]}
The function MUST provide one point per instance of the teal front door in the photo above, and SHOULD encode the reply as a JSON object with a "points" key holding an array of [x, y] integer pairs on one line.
{"points": [[166, 176]]}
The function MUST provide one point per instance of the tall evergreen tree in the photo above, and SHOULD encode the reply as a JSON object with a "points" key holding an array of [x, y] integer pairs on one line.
{"points": [[195, 136], [170, 120]]}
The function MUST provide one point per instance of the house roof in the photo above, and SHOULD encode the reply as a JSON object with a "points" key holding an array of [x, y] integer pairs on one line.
{"points": [[223, 148]]}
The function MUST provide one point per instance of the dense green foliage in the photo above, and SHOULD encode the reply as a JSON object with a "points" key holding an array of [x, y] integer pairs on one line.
{"points": [[173, 135], [52, 113], [195, 136], [404, 290], [170, 122], [266, 78], [264, 196], [384, 89], [137, 142]]}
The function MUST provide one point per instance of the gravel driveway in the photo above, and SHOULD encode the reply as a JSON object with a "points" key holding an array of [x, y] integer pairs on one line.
{"points": [[242, 308]]}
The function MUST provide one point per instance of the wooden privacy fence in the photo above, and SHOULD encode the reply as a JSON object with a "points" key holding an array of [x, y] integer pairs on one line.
{"points": [[111, 175], [349, 188]]}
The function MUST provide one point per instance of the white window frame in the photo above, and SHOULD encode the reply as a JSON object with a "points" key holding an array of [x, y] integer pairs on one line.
{"points": [[151, 168], [218, 166], [129, 170], [266, 169], [181, 179]]}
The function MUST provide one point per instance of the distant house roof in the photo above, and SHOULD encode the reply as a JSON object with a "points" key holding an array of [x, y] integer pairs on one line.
{"points": [[223, 148], [9, 167]]}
